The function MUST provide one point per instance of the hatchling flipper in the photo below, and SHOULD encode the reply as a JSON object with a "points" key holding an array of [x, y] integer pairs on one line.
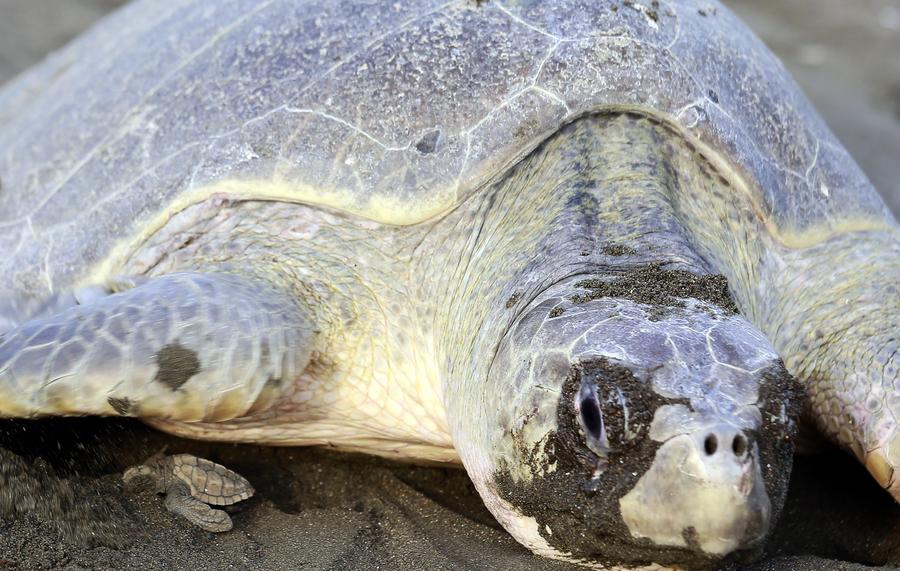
{"points": [[190, 483], [179, 501]]}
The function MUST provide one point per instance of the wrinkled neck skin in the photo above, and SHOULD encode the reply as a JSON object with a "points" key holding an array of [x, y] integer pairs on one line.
{"points": [[534, 280], [569, 211], [608, 202]]}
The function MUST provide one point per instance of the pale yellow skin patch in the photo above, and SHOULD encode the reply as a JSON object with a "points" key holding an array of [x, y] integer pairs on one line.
{"points": [[373, 383]]}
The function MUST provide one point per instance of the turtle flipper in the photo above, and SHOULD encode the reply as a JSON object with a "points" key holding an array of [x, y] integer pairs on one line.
{"points": [[185, 346], [15, 309], [837, 324], [179, 501]]}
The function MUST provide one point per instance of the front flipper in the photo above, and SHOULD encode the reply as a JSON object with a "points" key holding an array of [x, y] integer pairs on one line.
{"points": [[179, 501], [183, 346]]}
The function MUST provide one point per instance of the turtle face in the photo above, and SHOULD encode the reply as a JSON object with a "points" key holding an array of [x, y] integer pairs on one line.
{"points": [[639, 435]]}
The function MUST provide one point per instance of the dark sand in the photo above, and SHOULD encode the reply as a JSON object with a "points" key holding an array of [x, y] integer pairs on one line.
{"points": [[62, 506], [317, 509]]}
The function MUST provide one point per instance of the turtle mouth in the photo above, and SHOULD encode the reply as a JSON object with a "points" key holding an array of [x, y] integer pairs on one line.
{"points": [[708, 499]]}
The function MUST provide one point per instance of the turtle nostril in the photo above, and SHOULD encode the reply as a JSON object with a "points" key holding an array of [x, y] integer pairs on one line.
{"points": [[739, 445], [710, 444]]}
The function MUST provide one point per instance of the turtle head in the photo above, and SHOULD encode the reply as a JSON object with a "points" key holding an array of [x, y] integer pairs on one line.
{"points": [[636, 433]]}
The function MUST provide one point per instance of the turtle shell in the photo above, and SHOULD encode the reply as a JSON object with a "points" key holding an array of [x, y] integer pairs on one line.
{"points": [[394, 111], [210, 482]]}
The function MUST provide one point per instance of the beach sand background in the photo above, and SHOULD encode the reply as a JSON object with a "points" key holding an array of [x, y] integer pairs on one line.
{"points": [[62, 506]]}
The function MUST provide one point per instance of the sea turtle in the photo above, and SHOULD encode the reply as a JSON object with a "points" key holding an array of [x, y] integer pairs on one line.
{"points": [[190, 483], [564, 243]]}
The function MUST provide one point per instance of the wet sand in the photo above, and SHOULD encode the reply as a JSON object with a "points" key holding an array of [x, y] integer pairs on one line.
{"points": [[62, 505]]}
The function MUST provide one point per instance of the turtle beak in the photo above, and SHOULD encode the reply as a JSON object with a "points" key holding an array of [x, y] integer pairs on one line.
{"points": [[704, 491]]}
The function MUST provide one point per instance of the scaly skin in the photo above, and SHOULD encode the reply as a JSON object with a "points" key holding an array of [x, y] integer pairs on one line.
{"points": [[442, 340], [402, 310], [373, 383], [837, 324]]}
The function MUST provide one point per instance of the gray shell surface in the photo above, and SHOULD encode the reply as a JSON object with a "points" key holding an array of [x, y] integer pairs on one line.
{"points": [[391, 110]]}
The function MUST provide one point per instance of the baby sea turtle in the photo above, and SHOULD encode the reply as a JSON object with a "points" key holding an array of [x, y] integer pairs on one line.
{"points": [[564, 243], [190, 483]]}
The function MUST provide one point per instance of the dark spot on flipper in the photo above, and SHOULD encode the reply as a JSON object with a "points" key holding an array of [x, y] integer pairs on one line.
{"points": [[428, 143], [123, 406], [176, 365]]}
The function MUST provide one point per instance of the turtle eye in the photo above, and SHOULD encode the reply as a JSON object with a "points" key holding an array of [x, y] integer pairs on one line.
{"points": [[591, 417]]}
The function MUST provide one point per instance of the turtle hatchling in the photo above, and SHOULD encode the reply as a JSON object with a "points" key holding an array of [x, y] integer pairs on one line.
{"points": [[603, 254]]}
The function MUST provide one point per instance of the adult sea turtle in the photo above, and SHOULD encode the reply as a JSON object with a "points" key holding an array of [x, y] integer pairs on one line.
{"points": [[566, 244]]}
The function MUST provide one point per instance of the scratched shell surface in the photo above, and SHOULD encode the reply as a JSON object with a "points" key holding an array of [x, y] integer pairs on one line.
{"points": [[414, 105]]}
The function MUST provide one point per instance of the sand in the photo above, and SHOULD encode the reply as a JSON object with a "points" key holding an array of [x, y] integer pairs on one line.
{"points": [[62, 505], [317, 509]]}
